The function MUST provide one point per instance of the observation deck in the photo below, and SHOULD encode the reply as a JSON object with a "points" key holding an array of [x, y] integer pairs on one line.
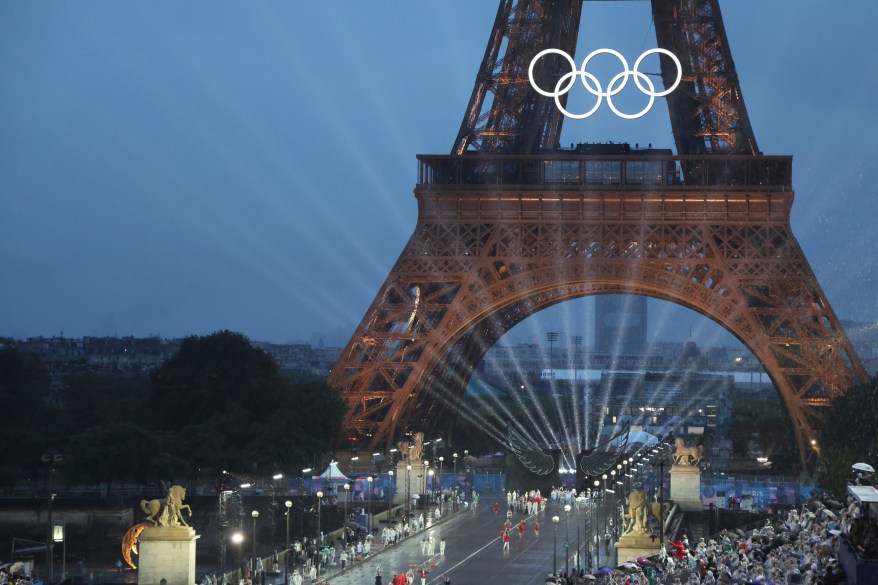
{"points": [[642, 187]]}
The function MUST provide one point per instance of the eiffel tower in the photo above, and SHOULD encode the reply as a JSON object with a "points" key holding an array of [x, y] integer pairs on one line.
{"points": [[508, 224]]}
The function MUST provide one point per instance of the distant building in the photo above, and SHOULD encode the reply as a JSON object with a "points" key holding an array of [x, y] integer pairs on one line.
{"points": [[108, 355], [620, 324]]}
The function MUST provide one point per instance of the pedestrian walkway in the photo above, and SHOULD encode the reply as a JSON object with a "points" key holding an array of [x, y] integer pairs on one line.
{"points": [[474, 551]]}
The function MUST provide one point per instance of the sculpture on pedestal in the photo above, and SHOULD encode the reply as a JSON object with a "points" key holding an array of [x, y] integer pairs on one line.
{"points": [[412, 451], [171, 508], [684, 455], [641, 513]]}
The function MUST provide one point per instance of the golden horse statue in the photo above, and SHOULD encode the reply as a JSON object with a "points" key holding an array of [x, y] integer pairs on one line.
{"points": [[640, 510], [171, 508], [684, 455], [412, 451]]}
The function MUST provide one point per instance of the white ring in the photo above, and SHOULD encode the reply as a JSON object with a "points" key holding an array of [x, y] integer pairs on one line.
{"points": [[614, 86]]}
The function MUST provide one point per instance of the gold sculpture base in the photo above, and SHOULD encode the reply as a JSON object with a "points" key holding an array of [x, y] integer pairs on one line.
{"points": [[632, 546]]}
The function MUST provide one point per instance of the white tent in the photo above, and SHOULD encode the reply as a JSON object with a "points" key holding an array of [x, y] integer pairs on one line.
{"points": [[332, 473]]}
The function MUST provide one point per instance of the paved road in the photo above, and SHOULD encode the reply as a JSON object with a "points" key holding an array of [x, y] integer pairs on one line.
{"points": [[473, 552]]}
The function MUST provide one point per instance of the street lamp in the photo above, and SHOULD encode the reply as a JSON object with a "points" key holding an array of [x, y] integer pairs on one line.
{"points": [[255, 514], [430, 474], [344, 524], [567, 540], [579, 500], [596, 529], [424, 475], [552, 337], [465, 455], [289, 505], [51, 458], [555, 521], [390, 495], [441, 459], [319, 540], [454, 495], [408, 487], [369, 520]]}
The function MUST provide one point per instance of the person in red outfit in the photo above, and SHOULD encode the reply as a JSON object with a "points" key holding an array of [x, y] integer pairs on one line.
{"points": [[679, 549], [521, 525]]}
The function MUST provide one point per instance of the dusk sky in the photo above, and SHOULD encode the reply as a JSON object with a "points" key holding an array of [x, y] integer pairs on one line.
{"points": [[176, 168]]}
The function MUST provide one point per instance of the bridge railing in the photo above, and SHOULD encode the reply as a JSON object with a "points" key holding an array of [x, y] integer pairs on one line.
{"points": [[601, 173]]}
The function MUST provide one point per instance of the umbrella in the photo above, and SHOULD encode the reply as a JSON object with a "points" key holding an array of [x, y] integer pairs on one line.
{"points": [[835, 532], [607, 570], [590, 577], [643, 560], [863, 467]]}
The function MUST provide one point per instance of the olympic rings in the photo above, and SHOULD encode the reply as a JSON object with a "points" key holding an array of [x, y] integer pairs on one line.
{"points": [[617, 83]]}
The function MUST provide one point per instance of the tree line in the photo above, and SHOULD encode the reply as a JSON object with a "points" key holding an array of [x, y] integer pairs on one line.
{"points": [[218, 404]]}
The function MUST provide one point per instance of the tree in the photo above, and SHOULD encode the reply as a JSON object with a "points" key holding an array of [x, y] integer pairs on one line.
{"points": [[230, 407], [90, 399], [24, 388], [119, 452], [849, 435]]}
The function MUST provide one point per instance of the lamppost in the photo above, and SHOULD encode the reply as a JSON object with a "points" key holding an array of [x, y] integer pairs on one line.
{"points": [[612, 490], [430, 474], [390, 495], [424, 475], [567, 540], [555, 521], [595, 528], [288, 505], [408, 487], [344, 524], [319, 540], [579, 500], [465, 455], [454, 495], [369, 481], [604, 513], [51, 458], [441, 487], [255, 514], [552, 336]]}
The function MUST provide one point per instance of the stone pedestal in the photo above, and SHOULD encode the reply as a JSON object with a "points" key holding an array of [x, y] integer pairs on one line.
{"points": [[686, 487], [415, 477], [631, 546], [166, 552]]}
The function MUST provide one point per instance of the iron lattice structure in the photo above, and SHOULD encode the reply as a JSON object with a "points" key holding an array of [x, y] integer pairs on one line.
{"points": [[506, 228]]}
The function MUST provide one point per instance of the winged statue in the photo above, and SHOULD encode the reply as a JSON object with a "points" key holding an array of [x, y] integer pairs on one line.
{"points": [[533, 457], [599, 460]]}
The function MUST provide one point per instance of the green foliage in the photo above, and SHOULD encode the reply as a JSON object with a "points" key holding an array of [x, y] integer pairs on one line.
{"points": [[849, 435], [218, 403], [119, 452], [24, 387], [88, 399], [765, 420], [231, 407]]}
